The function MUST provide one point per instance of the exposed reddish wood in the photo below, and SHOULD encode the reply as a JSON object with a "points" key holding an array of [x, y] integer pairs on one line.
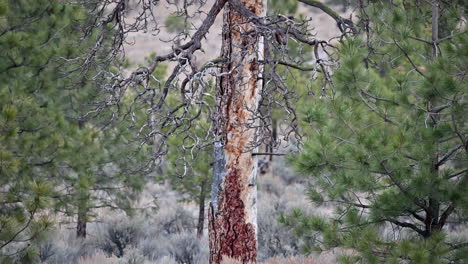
{"points": [[234, 237], [232, 227]]}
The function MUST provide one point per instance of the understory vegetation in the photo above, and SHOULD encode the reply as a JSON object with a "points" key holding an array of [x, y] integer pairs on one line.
{"points": [[170, 234]]}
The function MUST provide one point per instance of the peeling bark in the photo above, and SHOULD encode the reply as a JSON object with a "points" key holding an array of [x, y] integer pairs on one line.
{"points": [[233, 211]]}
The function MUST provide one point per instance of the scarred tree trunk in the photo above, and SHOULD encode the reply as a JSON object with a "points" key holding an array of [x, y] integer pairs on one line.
{"points": [[233, 211]]}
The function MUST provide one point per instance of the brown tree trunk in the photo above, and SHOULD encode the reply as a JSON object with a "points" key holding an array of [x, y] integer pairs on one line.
{"points": [[82, 210], [274, 136], [81, 223], [435, 219], [233, 212], [201, 211]]}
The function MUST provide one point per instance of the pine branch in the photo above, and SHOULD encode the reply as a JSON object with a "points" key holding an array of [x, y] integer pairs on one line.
{"points": [[365, 206], [384, 117], [410, 60], [402, 188], [297, 67], [421, 39], [341, 21], [447, 155], [437, 109], [268, 154], [407, 225], [195, 43], [378, 98], [457, 246], [420, 218], [295, 33], [457, 174], [31, 217], [445, 215]]}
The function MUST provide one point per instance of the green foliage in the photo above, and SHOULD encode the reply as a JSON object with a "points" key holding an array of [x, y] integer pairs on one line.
{"points": [[388, 149], [285, 7], [51, 159], [30, 126], [175, 24]]}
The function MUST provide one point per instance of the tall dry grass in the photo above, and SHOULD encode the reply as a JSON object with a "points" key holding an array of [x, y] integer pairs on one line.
{"points": [[98, 258], [291, 260], [101, 258]]}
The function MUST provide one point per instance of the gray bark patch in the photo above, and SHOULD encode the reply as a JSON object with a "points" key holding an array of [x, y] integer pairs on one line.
{"points": [[218, 174]]}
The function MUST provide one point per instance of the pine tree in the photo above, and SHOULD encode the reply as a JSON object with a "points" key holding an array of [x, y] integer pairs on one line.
{"points": [[388, 147], [32, 124], [51, 159]]}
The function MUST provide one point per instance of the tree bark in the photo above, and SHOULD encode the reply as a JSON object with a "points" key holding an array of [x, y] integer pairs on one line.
{"points": [[201, 211], [233, 211], [81, 222], [82, 210]]}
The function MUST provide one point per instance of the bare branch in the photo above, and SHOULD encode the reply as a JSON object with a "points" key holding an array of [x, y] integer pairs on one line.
{"points": [[342, 23], [407, 225]]}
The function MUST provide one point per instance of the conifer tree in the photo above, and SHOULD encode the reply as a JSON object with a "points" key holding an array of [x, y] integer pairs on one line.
{"points": [[51, 159], [388, 147], [32, 123]]}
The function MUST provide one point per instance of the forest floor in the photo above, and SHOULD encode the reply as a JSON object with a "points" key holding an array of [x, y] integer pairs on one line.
{"points": [[168, 234]]}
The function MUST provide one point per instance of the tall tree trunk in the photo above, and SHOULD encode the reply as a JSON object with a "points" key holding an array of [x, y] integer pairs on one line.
{"points": [[82, 209], [433, 221], [274, 135], [81, 222], [201, 211], [233, 211]]}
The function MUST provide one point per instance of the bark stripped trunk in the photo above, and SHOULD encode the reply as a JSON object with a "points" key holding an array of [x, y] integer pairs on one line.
{"points": [[233, 212]]}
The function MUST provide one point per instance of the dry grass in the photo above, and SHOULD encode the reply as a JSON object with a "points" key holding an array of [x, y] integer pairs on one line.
{"points": [[101, 258], [292, 260], [98, 258], [295, 260]]}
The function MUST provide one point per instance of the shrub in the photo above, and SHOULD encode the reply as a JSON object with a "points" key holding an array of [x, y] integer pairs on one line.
{"points": [[175, 221], [166, 260], [97, 258], [293, 260], [273, 238], [187, 249], [153, 248], [277, 195], [132, 256], [46, 251], [118, 235], [63, 247], [296, 260]]}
